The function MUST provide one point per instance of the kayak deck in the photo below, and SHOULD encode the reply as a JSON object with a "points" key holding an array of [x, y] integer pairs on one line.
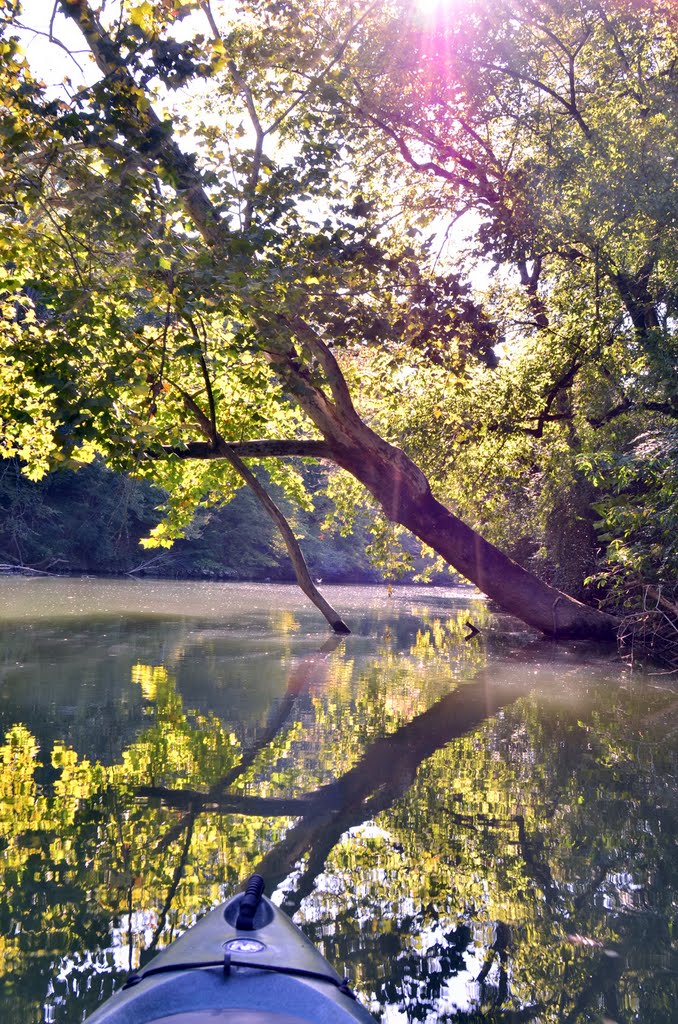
{"points": [[243, 963], [229, 1017]]}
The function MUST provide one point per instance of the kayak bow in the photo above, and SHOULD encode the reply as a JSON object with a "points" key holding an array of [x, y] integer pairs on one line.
{"points": [[243, 963]]}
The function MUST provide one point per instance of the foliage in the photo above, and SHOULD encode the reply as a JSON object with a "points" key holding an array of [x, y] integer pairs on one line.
{"points": [[640, 513], [556, 125], [239, 210], [93, 521]]}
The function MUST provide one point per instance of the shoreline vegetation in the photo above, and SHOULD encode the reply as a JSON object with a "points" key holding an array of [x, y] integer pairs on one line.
{"points": [[91, 522]]}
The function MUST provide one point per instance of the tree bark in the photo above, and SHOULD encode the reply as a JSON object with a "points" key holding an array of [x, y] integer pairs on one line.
{"points": [[404, 493], [514, 588]]}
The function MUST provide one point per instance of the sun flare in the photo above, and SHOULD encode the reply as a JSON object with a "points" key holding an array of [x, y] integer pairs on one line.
{"points": [[435, 7]]}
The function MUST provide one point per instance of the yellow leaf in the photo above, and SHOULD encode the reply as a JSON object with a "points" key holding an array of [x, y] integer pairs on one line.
{"points": [[142, 16]]}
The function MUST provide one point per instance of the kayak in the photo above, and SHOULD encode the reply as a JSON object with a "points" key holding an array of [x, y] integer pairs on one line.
{"points": [[243, 963]]}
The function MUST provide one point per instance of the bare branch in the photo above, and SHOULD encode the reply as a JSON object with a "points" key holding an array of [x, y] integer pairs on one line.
{"points": [[481, 187], [52, 38], [207, 380], [520, 76], [291, 543]]}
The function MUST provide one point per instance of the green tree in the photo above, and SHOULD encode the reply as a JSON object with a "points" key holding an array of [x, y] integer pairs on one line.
{"points": [[208, 273], [556, 124]]}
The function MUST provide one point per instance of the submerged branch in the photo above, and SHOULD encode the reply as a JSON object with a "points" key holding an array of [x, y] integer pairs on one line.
{"points": [[291, 543], [217, 443]]}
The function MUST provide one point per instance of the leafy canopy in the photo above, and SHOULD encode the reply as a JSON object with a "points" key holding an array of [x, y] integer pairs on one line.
{"points": [[220, 177]]}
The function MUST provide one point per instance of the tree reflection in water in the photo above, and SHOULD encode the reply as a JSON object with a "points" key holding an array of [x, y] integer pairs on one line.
{"points": [[467, 845]]}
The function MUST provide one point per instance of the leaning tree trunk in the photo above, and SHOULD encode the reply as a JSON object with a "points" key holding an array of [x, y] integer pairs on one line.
{"points": [[394, 480], [407, 499], [404, 493]]}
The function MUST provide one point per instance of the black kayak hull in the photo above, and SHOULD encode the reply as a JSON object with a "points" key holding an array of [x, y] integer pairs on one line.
{"points": [[265, 973]]}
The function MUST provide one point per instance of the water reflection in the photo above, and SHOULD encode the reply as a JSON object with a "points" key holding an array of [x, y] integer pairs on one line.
{"points": [[477, 831]]}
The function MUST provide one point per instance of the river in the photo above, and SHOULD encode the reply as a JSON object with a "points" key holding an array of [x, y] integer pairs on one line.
{"points": [[473, 830]]}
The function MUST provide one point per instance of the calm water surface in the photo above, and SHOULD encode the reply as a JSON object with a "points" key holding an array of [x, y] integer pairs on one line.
{"points": [[478, 831]]}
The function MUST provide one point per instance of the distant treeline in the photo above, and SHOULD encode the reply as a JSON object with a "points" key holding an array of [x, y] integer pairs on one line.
{"points": [[91, 521]]}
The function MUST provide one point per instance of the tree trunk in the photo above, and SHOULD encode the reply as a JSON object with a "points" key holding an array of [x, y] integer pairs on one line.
{"points": [[404, 493]]}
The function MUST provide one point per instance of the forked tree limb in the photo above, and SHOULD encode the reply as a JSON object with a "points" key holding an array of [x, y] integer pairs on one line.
{"points": [[223, 450]]}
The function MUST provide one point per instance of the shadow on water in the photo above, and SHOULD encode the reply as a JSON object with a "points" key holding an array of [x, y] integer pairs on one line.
{"points": [[476, 831]]}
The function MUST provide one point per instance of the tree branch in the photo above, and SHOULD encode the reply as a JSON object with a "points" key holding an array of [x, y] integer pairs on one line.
{"points": [[316, 79], [255, 449], [145, 124], [519, 76], [259, 133], [480, 188], [665, 408], [546, 416], [291, 543], [231, 803], [331, 368]]}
